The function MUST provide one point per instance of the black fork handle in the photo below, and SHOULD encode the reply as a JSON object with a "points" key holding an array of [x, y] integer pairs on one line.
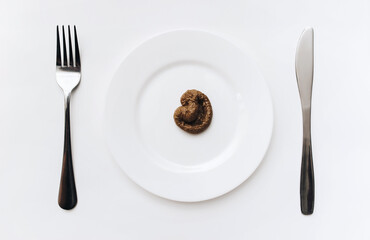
{"points": [[67, 189]]}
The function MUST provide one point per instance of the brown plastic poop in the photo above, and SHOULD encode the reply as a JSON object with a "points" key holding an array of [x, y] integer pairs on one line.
{"points": [[195, 114]]}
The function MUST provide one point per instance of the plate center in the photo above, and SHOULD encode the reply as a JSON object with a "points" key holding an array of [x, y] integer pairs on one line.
{"points": [[159, 98]]}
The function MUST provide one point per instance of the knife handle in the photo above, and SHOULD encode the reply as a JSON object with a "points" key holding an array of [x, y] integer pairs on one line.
{"points": [[307, 190]]}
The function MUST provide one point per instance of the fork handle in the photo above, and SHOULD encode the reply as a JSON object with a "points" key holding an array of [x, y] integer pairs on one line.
{"points": [[67, 189]]}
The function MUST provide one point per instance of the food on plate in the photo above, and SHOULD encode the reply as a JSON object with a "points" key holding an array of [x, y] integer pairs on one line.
{"points": [[195, 114]]}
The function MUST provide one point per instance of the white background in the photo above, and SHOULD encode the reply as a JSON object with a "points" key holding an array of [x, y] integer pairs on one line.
{"points": [[110, 205]]}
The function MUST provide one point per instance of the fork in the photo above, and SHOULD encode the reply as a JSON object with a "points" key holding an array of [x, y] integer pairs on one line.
{"points": [[68, 75]]}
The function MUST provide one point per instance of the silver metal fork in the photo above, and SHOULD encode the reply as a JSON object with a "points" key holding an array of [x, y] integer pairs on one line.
{"points": [[68, 75]]}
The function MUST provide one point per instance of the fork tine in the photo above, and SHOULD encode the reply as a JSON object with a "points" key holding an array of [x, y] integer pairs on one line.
{"points": [[77, 51], [65, 63], [70, 47], [59, 58]]}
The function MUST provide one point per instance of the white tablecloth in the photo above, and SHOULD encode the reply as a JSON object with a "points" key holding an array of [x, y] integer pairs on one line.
{"points": [[110, 205]]}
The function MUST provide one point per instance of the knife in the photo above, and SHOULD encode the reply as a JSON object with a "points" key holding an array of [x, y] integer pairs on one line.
{"points": [[304, 64]]}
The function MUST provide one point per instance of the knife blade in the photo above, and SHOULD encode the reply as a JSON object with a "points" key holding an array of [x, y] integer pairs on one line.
{"points": [[304, 66]]}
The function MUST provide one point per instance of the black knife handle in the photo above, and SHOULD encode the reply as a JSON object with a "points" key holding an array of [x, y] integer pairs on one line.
{"points": [[307, 179]]}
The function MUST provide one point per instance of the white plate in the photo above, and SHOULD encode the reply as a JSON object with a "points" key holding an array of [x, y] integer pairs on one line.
{"points": [[158, 155]]}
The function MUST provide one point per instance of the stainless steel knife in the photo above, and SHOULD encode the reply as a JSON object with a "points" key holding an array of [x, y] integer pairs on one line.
{"points": [[304, 65]]}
